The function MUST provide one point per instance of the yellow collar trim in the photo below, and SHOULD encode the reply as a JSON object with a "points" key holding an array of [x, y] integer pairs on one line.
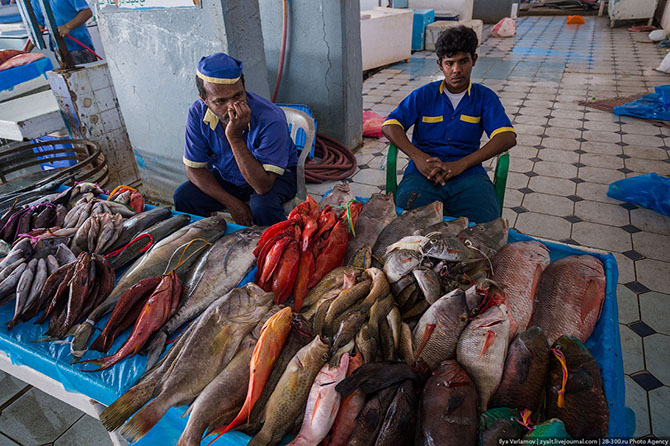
{"points": [[216, 80], [443, 83], [211, 119]]}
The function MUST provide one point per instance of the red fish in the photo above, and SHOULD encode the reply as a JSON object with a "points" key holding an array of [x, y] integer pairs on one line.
{"points": [[310, 228], [349, 409], [333, 253], [159, 308], [137, 201], [305, 271], [5, 55], [271, 232], [21, 59], [286, 272], [272, 260]]}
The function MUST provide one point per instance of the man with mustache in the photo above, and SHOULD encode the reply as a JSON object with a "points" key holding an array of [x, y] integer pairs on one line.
{"points": [[238, 154], [449, 117]]}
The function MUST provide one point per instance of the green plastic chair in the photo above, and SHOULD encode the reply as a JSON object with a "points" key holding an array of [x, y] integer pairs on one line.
{"points": [[499, 179]]}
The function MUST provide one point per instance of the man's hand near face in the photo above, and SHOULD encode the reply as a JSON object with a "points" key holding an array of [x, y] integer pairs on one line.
{"points": [[239, 115]]}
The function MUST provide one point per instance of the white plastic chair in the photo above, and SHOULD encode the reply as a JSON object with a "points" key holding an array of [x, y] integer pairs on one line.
{"points": [[300, 120]]}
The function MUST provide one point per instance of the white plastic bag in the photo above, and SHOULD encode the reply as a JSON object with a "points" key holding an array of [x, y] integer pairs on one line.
{"points": [[504, 28], [664, 67], [657, 35]]}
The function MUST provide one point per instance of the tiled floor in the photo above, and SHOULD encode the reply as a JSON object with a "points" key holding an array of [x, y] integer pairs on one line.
{"points": [[566, 157]]}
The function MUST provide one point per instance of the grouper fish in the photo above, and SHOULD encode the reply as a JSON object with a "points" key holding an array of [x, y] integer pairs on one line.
{"points": [[218, 271], [191, 241], [211, 344], [377, 213]]}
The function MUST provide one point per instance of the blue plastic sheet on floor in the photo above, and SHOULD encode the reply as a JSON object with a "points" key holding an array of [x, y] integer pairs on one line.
{"points": [[651, 191], [53, 359], [17, 75], [654, 106]]}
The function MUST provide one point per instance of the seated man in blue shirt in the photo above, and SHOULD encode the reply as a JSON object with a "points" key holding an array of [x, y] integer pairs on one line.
{"points": [[449, 117], [238, 149], [71, 17]]}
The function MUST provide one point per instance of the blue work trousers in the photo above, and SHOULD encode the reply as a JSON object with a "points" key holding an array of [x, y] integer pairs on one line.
{"points": [[266, 209], [472, 196]]}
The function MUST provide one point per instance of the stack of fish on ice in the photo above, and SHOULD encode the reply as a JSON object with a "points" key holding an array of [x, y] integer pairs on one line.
{"points": [[432, 333]]}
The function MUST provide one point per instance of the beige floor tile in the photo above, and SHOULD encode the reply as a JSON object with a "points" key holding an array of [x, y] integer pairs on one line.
{"points": [[655, 310], [523, 151], [533, 111], [642, 129], [602, 126], [516, 180], [631, 349], [373, 177], [636, 399], [548, 204], [546, 226], [654, 274], [557, 170], [629, 310], [600, 236], [553, 186], [604, 148], [647, 166], [600, 175], [604, 213], [651, 221], [659, 401], [530, 120], [561, 156], [626, 268], [595, 192], [567, 114], [363, 190], [561, 143], [642, 140], [520, 165], [559, 132], [566, 123], [568, 106], [657, 352], [538, 104], [651, 153], [510, 216], [86, 431], [653, 246], [597, 160], [513, 198], [595, 135], [321, 189], [528, 140]]}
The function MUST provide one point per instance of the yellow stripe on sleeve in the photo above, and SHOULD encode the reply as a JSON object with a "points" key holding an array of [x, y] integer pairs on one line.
{"points": [[393, 122], [274, 169], [194, 164], [502, 130]]}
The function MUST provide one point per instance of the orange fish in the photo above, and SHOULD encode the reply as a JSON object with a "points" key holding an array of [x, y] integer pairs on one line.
{"points": [[267, 350]]}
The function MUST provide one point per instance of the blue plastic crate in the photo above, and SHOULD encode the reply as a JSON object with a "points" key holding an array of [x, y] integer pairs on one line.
{"points": [[300, 137], [53, 164], [422, 18]]}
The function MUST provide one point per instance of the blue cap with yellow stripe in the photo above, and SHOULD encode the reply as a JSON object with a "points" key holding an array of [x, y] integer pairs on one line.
{"points": [[219, 68]]}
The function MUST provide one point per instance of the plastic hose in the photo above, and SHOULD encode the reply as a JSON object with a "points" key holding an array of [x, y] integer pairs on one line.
{"points": [[335, 161], [282, 54]]}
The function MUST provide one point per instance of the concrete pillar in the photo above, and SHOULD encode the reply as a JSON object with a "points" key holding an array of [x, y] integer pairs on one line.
{"points": [[153, 54], [323, 62], [87, 100]]}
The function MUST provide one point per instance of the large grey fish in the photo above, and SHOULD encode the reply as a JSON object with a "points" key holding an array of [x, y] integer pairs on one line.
{"points": [[290, 395], [209, 348], [449, 228], [401, 262], [138, 223], [156, 261], [487, 238], [23, 291], [400, 421], [338, 197], [377, 213], [154, 234], [220, 270], [406, 224], [447, 318]]}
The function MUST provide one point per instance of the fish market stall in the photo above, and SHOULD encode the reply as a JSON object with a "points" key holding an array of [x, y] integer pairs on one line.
{"points": [[277, 309]]}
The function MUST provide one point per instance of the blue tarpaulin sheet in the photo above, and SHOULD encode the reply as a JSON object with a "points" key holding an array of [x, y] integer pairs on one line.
{"points": [[655, 106], [53, 359], [17, 75]]}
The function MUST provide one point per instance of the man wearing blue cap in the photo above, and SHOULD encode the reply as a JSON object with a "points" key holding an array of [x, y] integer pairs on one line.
{"points": [[239, 154]]}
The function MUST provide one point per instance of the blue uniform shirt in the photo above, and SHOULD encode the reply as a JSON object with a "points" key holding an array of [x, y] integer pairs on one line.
{"points": [[450, 134], [268, 139], [64, 11]]}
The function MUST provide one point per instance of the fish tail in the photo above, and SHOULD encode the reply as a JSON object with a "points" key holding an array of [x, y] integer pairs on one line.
{"points": [[145, 419], [155, 348], [82, 333], [243, 415], [104, 363], [127, 404], [99, 343]]}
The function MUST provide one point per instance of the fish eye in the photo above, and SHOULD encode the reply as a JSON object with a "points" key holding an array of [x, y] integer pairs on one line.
{"points": [[462, 319]]}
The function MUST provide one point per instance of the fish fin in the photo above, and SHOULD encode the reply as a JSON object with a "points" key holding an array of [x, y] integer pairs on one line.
{"points": [[579, 381], [524, 369], [127, 404], [188, 411], [138, 426], [454, 402], [490, 337], [593, 298], [426, 336]]}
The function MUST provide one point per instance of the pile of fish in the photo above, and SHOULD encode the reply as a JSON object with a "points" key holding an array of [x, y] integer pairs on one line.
{"points": [[19, 60], [295, 254], [18, 222], [129, 196]]}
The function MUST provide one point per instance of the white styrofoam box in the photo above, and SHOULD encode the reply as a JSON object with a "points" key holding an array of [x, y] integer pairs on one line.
{"points": [[434, 30], [446, 8], [386, 36], [632, 9]]}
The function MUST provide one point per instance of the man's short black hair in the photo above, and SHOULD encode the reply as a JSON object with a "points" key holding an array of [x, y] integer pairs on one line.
{"points": [[456, 40], [200, 85]]}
